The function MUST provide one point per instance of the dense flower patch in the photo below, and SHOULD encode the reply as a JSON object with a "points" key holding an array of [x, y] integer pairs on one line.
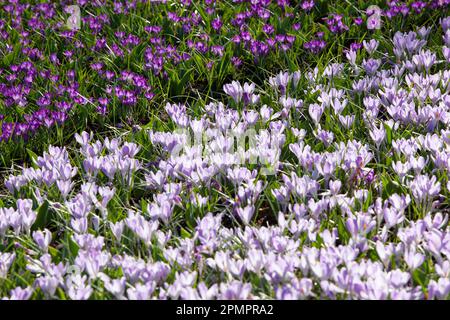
{"points": [[130, 56], [327, 183]]}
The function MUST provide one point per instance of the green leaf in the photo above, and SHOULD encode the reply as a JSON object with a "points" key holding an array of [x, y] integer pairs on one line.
{"points": [[33, 156], [43, 217], [419, 276], [53, 252], [388, 134], [368, 201], [185, 233], [144, 206], [73, 247]]}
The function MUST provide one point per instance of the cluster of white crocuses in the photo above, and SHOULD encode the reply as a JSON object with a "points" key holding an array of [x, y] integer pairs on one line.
{"points": [[331, 191]]}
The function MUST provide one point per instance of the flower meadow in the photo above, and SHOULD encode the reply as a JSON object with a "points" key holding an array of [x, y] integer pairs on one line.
{"points": [[225, 150]]}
